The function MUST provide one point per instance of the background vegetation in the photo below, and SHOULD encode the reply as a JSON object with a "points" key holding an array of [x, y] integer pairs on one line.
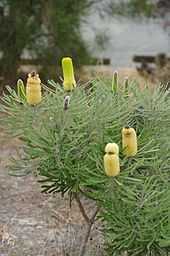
{"points": [[48, 30], [45, 30]]}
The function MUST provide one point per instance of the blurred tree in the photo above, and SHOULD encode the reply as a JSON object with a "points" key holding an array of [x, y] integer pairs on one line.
{"points": [[163, 6], [20, 26], [62, 20], [45, 30], [139, 7]]}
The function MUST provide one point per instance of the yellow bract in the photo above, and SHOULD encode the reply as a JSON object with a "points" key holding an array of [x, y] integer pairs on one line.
{"points": [[129, 141], [33, 89], [68, 73], [112, 148]]}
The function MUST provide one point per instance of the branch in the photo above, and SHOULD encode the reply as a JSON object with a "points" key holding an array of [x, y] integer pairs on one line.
{"points": [[82, 210], [92, 220]]}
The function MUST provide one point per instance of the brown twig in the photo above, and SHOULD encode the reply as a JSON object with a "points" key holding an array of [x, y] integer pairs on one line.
{"points": [[89, 221], [90, 224], [82, 210]]}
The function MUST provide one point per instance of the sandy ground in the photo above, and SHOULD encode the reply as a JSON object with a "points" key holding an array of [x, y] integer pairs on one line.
{"points": [[35, 224]]}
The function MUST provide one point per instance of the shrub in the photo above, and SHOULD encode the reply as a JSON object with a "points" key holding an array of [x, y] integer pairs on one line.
{"points": [[66, 147]]}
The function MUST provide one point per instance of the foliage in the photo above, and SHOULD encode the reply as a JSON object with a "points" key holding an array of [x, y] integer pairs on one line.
{"points": [[135, 8], [132, 7], [163, 75], [67, 147], [138, 7]]}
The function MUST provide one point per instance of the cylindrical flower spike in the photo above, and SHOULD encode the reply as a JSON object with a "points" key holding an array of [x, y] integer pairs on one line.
{"points": [[115, 82], [33, 89], [68, 73], [129, 141], [111, 160]]}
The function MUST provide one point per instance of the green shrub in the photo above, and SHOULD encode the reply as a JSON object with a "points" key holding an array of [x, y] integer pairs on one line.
{"points": [[66, 147]]}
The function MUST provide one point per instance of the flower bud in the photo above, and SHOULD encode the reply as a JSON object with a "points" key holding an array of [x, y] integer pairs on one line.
{"points": [[115, 82], [33, 89], [21, 89], [111, 160], [68, 74], [112, 148], [129, 141]]}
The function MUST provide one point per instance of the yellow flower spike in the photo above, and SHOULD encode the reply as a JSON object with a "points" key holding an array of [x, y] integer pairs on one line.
{"points": [[129, 141], [111, 160], [68, 74], [33, 89]]}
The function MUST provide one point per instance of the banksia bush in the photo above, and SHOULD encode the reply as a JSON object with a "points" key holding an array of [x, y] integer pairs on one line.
{"points": [[65, 138]]}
